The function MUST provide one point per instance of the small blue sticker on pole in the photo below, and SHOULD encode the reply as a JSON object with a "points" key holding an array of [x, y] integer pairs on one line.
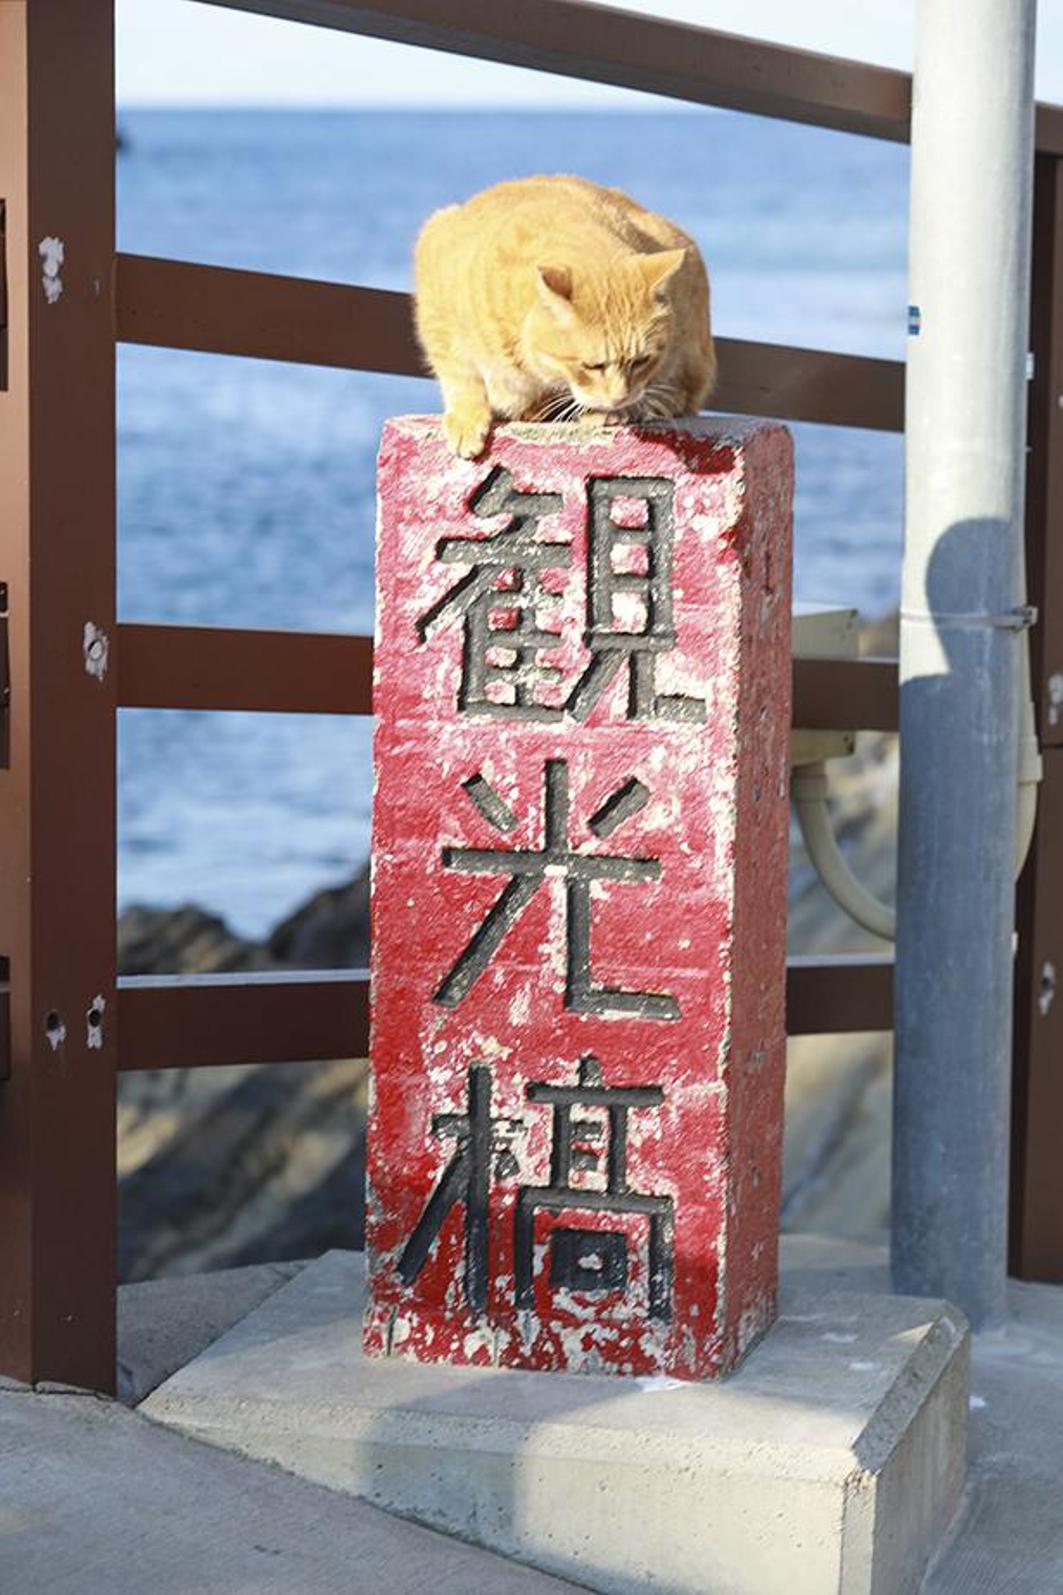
{"points": [[915, 321]]}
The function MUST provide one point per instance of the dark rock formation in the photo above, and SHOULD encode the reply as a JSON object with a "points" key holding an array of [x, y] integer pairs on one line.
{"points": [[220, 1167], [183, 941], [232, 1166], [331, 931]]}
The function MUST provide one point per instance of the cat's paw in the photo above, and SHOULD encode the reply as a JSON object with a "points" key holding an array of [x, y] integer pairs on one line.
{"points": [[595, 419], [467, 431]]}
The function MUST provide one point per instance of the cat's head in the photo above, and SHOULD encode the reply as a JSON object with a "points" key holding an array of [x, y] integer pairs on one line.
{"points": [[602, 330]]}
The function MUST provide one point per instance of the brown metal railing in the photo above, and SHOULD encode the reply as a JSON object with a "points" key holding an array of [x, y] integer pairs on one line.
{"points": [[220, 311], [57, 534]]}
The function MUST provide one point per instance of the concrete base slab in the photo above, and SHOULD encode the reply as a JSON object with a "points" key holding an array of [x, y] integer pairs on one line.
{"points": [[164, 1323], [832, 1461]]}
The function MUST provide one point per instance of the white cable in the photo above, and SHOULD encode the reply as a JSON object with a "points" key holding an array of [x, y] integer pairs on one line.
{"points": [[809, 788], [1031, 767]]}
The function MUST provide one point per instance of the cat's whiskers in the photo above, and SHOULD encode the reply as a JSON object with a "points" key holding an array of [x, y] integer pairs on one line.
{"points": [[544, 410], [573, 410], [558, 407], [659, 398]]}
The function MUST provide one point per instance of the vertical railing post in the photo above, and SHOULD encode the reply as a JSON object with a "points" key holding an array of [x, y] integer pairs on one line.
{"points": [[1036, 1250], [57, 798]]}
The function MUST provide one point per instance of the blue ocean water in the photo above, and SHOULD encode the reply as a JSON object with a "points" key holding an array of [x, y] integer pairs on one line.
{"points": [[246, 488]]}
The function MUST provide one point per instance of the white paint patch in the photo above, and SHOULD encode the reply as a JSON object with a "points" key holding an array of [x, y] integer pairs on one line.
{"points": [[476, 1340], [52, 252], [55, 1030], [836, 1339], [1055, 697], [94, 1024], [96, 648], [976, 1403], [863, 1367], [520, 1008]]}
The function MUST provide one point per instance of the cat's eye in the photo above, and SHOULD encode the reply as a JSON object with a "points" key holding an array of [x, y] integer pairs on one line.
{"points": [[586, 366], [640, 360]]}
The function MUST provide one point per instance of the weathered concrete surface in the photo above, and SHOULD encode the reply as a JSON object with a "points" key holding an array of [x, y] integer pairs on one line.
{"points": [[831, 1461], [1009, 1537], [575, 1138], [94, 1500], [164, 1323]]}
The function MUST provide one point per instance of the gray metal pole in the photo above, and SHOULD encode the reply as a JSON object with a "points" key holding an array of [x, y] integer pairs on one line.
{"points": [[972, 162]]}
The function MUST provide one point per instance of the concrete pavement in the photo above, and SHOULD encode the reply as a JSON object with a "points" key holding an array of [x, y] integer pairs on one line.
{"points": [[95, 1500]]}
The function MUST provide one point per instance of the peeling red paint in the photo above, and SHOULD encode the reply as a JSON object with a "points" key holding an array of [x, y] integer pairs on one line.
{"points": [[689, 928]]}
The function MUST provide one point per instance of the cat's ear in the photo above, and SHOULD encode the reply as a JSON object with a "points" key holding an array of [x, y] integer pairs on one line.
{"points": [[555, 288], [657, 270]]}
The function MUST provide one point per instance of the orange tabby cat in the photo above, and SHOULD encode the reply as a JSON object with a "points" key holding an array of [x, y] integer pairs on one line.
{"points": [[550, 298]]}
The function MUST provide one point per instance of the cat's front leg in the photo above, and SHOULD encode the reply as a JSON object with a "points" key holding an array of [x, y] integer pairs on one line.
{"points": [[512, 395], [467, 414]]}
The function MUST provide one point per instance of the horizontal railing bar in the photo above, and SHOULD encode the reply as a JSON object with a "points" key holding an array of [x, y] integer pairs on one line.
{"points": [[214, 667], [201, 1021], [605, 45], [658, 56], [838, 993], [846, 694], [813, 385], [293, 672], [178, 305], [191, 1022]]}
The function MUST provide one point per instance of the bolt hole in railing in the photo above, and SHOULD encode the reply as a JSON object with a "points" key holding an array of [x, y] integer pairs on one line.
{"points": [[54, 1029]]}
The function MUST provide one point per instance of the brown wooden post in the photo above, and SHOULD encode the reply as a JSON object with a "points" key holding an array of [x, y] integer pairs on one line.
{"points": [[57, 798], [1037, 1116]]}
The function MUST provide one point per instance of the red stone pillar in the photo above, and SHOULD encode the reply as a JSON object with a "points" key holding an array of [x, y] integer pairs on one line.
{"points": [[579, 896]]}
